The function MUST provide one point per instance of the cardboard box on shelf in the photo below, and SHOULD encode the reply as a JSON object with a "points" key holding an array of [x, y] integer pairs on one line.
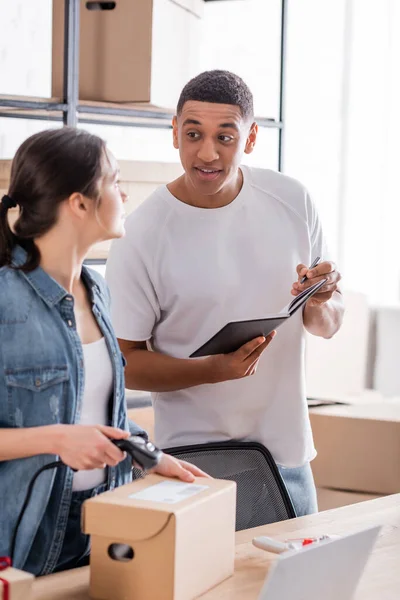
{"points": [[159, 538], [14, 584], [132, 51], [358, 446], [138, 179], [328, 498]]}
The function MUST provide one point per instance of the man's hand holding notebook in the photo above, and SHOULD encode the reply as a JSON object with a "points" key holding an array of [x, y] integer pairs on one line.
{"points": [[237, 333]]}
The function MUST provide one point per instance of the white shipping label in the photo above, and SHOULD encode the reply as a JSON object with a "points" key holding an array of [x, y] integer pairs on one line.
{"points": [[169, 492]]}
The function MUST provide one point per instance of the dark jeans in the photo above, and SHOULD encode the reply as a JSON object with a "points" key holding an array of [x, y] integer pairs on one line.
{"points": [[75, 551]]}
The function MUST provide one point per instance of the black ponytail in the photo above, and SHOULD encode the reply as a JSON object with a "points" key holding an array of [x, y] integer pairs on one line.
{"points": [[7, 237]]}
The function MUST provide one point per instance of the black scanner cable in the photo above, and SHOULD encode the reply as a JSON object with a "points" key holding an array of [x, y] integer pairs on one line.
{"points": [[53, 465], [140, 449]]}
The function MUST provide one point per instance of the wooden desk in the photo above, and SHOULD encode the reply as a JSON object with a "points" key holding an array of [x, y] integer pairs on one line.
{"points": [[380, 581]]}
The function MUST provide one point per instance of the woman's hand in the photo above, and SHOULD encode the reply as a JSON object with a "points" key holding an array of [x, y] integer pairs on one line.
{"points": [[169, 466], [85, 447]]}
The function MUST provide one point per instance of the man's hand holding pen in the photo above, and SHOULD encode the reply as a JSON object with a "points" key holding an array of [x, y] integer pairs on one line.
{"points": [[307, 276]]}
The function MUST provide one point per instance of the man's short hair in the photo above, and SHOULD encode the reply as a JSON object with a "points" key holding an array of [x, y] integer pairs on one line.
{"points": [[220, 87]]}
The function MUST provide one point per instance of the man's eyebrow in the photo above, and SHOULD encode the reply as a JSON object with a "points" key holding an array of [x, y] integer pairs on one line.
{"points": [[229, 126], [191, 122]]}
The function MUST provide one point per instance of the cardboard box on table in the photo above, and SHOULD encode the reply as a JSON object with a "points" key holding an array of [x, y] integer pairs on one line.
{"points": [[14, 584], [358, 446], [179, 538]]}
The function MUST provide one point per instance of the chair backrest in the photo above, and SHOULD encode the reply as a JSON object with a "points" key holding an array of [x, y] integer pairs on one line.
{"points": [[262, 497]]}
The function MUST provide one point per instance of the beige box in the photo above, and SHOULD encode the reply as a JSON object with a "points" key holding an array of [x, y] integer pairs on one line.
{"points": [[328, 498], [15, 584], [139, 51], [144, 417], [358, 447], [138, 179], [180, 538]]}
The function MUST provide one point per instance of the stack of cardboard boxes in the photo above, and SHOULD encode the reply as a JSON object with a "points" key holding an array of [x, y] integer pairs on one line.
{"points": [[358, 449], [358, 440]]}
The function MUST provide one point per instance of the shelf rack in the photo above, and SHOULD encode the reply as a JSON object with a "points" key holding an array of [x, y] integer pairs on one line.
{"points": [[71, 111]]}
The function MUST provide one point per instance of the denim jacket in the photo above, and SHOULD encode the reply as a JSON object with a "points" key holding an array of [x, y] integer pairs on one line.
{"points": [[42, 383]]}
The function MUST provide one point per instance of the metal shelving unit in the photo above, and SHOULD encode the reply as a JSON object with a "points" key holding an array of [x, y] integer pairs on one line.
{"points": [[72, 112]]}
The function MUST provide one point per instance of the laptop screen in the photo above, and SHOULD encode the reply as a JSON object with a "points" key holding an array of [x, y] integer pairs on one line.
{"points": [[329, 570]]}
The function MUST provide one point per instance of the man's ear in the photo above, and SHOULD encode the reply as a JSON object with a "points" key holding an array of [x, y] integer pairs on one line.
{"points": [[78, 204], [175, 132], [251, 138]]}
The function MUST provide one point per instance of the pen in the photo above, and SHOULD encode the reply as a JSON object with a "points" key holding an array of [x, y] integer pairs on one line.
{"points": [[314, 264]]}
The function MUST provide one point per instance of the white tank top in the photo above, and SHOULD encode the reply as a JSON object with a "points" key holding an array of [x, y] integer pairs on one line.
{"points": [[98, 389]]}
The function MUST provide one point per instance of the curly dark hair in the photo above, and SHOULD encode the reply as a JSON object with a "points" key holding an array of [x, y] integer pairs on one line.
{"points": [[220, 87]]}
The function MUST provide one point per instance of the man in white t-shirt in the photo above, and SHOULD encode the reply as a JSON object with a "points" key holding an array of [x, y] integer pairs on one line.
{"points": [[223, 242]]}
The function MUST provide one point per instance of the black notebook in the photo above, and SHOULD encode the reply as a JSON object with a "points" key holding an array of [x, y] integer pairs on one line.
{"points": [[236, 333]]}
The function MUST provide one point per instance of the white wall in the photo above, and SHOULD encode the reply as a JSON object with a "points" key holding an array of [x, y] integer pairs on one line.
{"points": [[371, 202], [243, 36], [343, 132], [25, 63], [177, 32], [314, 104], [25, 47]]}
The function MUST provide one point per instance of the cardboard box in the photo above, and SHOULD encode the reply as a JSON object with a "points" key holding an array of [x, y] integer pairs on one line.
{"points": [[144, 417], [358, 447], [180, 544], [328, 498], [138, 179], [15, 584], [134, 52]]}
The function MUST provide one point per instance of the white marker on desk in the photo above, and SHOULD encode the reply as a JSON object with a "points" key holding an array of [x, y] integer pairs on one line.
{"points": [[270, 545]]}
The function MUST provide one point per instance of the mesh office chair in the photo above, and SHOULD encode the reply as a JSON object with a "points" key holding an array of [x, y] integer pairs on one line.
{"points": [[262, 497]]}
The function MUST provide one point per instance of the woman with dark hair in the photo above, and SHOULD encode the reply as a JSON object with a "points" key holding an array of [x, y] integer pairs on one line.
{"points": [[61, 370]]}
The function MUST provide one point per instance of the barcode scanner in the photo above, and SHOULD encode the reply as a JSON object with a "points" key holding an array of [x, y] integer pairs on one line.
{"points": [[142, 452]]}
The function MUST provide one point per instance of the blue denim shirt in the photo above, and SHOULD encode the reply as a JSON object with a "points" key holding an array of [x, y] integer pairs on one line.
{"points": [[42, 383]]}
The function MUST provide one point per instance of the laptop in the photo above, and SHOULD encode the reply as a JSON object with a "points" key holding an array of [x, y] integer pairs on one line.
{"points": [[329, 570]]}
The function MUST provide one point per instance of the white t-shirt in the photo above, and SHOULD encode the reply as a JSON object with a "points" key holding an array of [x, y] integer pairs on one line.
{"points": [[99, 380], [182, 272]]}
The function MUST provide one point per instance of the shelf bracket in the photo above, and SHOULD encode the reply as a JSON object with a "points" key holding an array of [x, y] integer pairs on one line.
{"points": [[71, 62]]}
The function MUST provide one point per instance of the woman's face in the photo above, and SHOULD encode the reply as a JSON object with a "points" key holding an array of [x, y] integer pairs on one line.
{"points": [[110, 211]]}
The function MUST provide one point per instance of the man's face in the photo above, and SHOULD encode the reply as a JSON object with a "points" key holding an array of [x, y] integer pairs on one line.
{"points": [[212, 139]]}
